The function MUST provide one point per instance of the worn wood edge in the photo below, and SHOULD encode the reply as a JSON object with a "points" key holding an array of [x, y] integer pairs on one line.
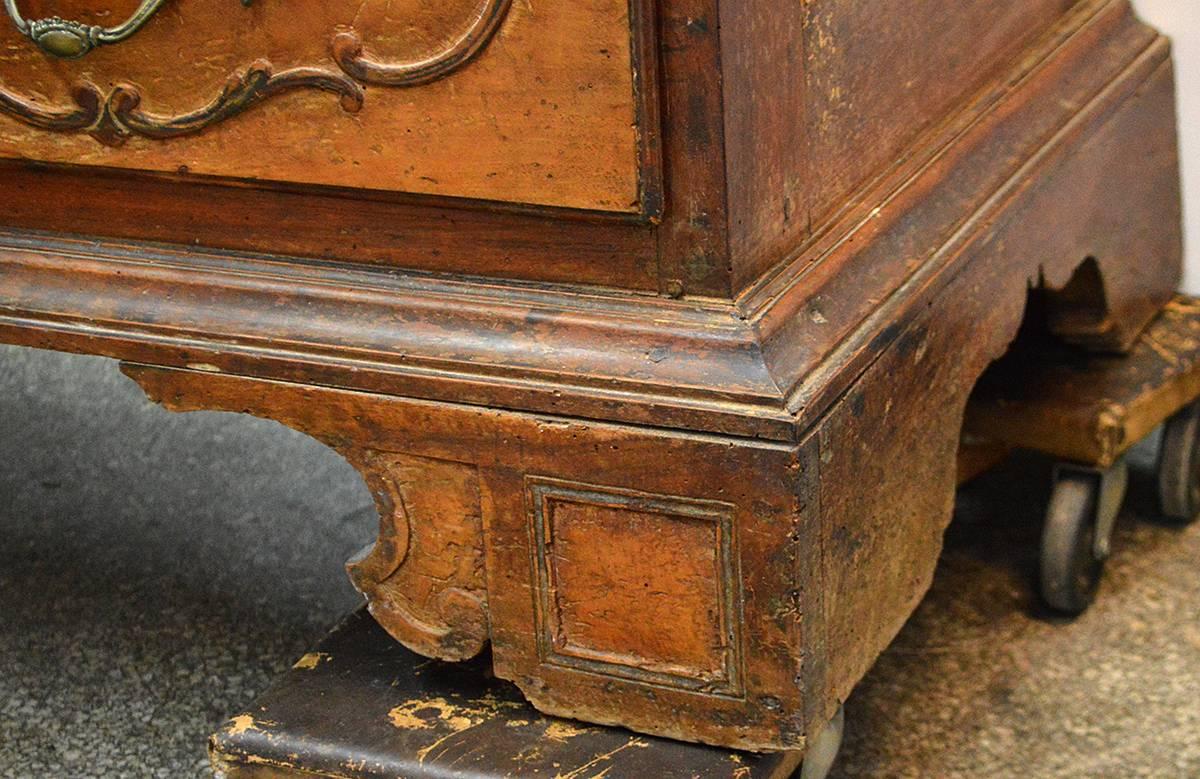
{"points": [[796, 746], [722, 371], [636, 360], [644, 56], [206, 355], [693, 242], [233, 766], [434, 236], [339, 193], [153, 379], [777, 281]]}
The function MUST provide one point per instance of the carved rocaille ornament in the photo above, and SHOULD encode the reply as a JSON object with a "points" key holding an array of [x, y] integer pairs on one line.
{"points": [[423, 576], [113, 116]]}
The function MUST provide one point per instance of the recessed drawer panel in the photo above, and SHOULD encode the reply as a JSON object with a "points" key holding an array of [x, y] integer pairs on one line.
{"points": [[521, 101]]}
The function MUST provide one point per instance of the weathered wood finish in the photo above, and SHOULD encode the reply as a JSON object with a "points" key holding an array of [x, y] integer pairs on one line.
{"points": [[700, 513], [823, 123], [473, 131], [724, 499]]}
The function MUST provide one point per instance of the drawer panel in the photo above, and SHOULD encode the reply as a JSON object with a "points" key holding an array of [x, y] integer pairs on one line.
{"points": [[501, 100]]}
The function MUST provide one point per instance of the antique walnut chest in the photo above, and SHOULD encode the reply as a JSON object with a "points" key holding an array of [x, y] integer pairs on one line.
{"points": [[650, 323]]}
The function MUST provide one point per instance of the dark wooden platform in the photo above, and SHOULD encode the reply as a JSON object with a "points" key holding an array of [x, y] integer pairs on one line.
{"points": [[360, 705], [1089, 408]]}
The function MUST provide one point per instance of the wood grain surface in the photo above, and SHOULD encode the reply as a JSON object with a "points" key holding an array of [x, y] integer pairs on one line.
{"points": [[544, 114], [706, 458], [849, 92]]}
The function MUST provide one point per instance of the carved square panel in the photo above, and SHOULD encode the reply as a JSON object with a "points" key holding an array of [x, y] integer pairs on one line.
{"points": [[636, 586]]}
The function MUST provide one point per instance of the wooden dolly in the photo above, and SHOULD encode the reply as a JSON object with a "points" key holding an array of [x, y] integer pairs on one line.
{"points": [[1088, 411], [361, 706]]}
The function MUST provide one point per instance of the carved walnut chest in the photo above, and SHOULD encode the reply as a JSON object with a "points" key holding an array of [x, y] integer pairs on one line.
{"points": [[650, 323]]}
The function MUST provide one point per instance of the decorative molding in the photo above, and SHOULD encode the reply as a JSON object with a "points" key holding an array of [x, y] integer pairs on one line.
{"points": [[765, 367], [115, 117]]}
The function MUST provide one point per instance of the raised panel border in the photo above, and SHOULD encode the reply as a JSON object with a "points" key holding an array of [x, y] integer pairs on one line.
{"points": [[541, 491]]}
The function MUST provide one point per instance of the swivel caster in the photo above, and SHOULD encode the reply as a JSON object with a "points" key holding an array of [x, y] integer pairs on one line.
{"points": [[1179, 466], [823, 750], [1078, 532]]}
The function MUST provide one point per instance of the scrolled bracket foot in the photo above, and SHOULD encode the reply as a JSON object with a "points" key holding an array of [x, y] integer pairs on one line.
{"points": [[423, 584], [423, 577]]}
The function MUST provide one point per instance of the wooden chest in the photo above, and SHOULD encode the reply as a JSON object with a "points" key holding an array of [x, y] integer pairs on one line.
{"points": [[650, 323]]}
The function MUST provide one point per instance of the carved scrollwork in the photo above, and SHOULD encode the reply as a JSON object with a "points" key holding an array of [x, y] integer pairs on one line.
{"points": [[424, 586], [348, 52], [424, 576], [114, 116]]}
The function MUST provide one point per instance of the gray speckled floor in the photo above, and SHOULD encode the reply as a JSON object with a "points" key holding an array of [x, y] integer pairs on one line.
{"points": [[157, 570]]}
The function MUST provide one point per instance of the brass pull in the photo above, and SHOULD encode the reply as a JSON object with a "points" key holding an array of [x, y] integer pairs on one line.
{"points": [[68, 39]]}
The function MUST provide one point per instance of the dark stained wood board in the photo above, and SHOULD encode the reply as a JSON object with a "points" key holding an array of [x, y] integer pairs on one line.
{"points": [[360, 705], [1085, 407]]}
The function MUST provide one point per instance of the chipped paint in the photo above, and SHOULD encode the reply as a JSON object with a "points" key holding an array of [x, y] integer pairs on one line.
{"points": [[435, 714], [585, 771], [457, 718], [563, 731], [240, 724], [311, 661]]}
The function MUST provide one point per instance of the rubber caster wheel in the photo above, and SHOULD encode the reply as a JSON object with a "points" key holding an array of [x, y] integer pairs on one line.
{"points": [[1076, 539], [1179, 466], [823, 751]]}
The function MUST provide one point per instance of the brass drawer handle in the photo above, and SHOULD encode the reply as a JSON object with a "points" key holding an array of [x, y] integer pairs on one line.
{"points": [[68, 39]]}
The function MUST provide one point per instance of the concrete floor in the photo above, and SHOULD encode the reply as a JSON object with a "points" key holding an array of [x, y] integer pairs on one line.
{"points": [[157, 570]]}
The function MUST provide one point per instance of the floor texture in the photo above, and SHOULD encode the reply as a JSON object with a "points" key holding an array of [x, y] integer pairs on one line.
{"points": [[157, 570]]}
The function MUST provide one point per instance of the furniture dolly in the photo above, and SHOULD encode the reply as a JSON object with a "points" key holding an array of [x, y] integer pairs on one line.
{"points": [[1089, 410], [651, 324]]}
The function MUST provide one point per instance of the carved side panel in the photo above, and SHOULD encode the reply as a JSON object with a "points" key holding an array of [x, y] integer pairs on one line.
{"points": [[424, 577], [678, 603], [615, 568]]}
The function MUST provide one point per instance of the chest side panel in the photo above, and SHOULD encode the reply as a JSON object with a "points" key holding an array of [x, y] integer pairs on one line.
{"points": [[827, 94]]}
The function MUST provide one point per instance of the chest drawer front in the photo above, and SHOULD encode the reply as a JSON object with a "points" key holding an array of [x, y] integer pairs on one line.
{"points": [[501, 100]]}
